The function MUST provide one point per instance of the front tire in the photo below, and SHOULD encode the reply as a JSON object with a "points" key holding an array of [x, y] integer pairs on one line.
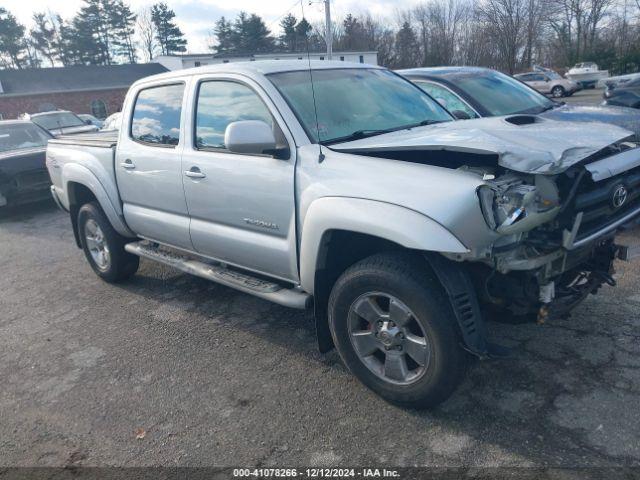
{"points": [[558, 92], [395, 330], [103, 246]]}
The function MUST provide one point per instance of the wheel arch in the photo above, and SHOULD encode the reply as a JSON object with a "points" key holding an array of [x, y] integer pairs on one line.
{"points": [[340, 231], [82, 186]]}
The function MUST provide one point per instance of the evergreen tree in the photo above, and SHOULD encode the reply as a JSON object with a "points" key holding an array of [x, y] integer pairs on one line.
{"points": [[406, 47], [288, 39], [303, 30], [251, 35], [12, 43], [223, 32], [170, 37], [122, 22], [43, 37]]}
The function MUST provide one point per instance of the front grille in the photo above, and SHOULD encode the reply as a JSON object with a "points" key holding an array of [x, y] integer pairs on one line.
{"points": [[603, 203]]}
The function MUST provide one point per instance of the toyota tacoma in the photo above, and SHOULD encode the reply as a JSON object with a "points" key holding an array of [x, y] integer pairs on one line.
{"points": [[347, 189]]}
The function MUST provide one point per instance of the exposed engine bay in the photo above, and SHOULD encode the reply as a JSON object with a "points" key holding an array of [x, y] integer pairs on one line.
{"points": [[556, 233], [554, 241]]}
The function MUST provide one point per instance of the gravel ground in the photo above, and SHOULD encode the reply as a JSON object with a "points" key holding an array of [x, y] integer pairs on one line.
{"points": [[169, 369]]}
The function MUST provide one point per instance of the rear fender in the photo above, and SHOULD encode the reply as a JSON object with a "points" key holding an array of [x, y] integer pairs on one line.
{"points": [[76, 173]]}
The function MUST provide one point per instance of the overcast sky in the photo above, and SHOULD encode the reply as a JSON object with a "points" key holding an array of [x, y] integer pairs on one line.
{"points": [[196, 18]]}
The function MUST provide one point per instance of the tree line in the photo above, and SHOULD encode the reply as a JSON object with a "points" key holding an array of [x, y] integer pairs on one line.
{"points": [[509, 35], [103, 32]]}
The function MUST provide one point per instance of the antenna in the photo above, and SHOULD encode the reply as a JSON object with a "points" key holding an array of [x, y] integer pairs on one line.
{"points": [[313, 91]]}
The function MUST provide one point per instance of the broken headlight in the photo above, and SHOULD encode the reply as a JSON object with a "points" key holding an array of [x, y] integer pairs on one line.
{"points": [[511, 205]]}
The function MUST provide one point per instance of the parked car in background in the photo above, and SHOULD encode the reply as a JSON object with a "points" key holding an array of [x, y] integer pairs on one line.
{"points": [[61, 122], [112, 122], [625, 95], [91, 120], [549, 83], [472, 92], [23, 173], [399, 225]]}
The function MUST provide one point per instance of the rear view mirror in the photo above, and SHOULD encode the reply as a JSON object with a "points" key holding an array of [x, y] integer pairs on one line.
{"points": [[87, 122], [250, 137], [461, 115]]}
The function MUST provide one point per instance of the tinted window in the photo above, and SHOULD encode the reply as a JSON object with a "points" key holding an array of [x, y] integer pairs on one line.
{"points": [[21, 135], [221, 103], [352, 101], [156, 115], [500, 94], [446, 98]]}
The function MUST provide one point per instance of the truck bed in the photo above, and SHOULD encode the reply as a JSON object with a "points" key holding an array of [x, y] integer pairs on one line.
{"points": [[106, 139]]}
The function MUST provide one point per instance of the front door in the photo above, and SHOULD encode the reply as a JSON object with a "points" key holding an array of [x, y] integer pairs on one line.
{"points": [[241, 206], [148, 166]]}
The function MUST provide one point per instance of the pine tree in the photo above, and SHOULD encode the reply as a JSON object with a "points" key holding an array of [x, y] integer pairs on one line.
{"points": [[43, 36], [303, 30], [223, 32], [406, 47], [12, 44], [122, 22], [251, 35], [289, 35], [169, 36]]}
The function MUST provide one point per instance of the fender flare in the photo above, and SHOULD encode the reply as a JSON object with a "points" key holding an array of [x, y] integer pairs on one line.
{"points": [[77, 173], [389, 221]]}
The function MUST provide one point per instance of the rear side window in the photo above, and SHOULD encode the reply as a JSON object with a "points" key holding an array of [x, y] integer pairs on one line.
{"points": [[156, 115], [222, 102]]}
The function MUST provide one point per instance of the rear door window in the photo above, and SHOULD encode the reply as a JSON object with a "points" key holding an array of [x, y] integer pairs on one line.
{"points": [[156, 115]]}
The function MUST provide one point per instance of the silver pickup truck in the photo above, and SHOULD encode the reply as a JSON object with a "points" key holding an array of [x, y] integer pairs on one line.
{"points": [[346, 188]]}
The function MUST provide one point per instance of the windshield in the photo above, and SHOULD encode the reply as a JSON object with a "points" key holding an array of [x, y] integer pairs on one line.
{"points": [[500, 94], [18, 136], [55, 120], [353, 103]]}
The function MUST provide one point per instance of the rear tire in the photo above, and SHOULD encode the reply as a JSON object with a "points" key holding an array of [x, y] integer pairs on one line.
{"points": [[103, 246], [394, 328]]}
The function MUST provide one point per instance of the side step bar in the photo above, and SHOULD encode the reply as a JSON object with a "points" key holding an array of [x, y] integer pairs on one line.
{"points": [[288, 297]]}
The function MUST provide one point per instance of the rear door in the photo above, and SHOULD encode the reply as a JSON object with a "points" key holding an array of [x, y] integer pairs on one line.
{"points": [[148, 165], [241, 206]]}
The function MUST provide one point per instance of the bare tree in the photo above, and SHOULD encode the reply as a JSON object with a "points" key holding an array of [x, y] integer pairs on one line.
{"points": [[147, 33], [505, 22]]}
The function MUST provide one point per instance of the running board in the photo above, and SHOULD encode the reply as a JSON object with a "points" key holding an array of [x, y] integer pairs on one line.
{"points": [[288, 297]]}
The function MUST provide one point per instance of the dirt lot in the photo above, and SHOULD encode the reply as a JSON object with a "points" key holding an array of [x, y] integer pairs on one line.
{"points": [[209, 376]]}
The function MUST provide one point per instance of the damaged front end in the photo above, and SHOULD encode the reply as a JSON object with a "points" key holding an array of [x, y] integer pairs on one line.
{"points": [[555, 233]]}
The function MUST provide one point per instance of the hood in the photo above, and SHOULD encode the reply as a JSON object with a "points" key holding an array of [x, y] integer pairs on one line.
{"points": [[627, 118], [524, 143]]}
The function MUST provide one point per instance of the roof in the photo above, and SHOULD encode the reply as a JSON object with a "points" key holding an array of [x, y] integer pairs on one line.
{"points": [[443, 71], [260, 55], [73, 79], [263, 67]]}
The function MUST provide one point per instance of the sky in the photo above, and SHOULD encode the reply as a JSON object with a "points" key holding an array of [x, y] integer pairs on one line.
{"points": [[196, 17]]}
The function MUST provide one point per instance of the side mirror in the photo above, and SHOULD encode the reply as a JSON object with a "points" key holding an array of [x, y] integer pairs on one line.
{"points": [[88, 122], [250, 136], [461, 115]]}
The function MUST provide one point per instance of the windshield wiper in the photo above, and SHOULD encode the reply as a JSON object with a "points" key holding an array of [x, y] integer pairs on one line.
{"points": [[365, 133]]}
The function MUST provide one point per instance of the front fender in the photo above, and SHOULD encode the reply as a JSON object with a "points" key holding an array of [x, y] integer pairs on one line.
{"points": [[74, 172], [391, 222]]}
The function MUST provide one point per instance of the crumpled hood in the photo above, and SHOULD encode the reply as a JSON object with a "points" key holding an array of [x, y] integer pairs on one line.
{"points": [[545, 146], [624, 117]]}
